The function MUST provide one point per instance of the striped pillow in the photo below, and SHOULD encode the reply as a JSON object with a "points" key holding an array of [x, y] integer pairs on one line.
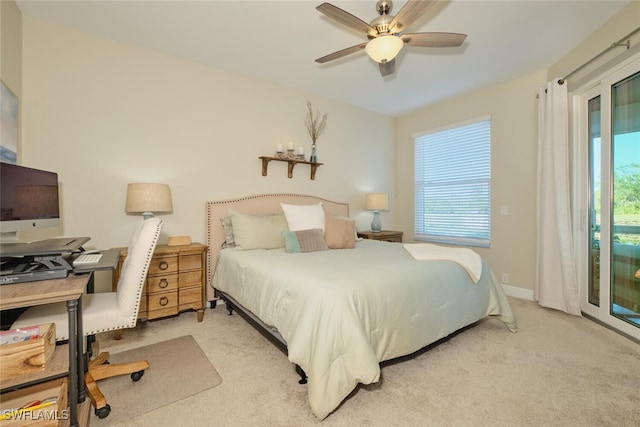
{"points": [[310, 240]]}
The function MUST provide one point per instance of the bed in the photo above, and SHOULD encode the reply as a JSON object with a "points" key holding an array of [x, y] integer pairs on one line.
{"points": [[341, 312]]}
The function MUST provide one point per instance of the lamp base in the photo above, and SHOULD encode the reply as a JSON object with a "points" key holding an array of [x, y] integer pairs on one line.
{"points": [[147, 215], [376, 223]]}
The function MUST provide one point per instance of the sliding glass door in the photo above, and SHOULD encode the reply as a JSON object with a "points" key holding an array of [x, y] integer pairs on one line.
{"points": [[607, 202]]}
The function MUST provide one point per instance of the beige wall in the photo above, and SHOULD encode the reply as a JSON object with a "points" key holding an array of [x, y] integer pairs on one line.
{"points": [[622, 24], [103, 114], [512, 107], [11, 51]]}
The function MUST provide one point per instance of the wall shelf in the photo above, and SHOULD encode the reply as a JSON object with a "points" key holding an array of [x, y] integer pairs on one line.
{"points": [[291, 162]]}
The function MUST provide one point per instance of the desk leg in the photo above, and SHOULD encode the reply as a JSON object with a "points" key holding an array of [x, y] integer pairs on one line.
{"points": [[72, 310], [80, 355]]}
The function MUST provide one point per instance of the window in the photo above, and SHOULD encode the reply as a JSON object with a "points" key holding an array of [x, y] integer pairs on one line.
{"points": [[453, 184]]}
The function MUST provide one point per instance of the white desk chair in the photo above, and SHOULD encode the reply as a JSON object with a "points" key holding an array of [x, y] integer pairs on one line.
{"points": [[107, 311]]}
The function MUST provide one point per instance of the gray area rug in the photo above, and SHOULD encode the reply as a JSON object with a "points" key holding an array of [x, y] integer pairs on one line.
{"points": [[178, 369]]}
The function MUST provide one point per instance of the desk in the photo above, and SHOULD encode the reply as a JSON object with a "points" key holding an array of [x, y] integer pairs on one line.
{"points": [[69, 290]]}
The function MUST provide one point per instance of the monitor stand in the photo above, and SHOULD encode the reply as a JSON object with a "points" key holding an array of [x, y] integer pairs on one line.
{"points": [[33, 268], [45, 259], [10, 237], [55, 246]]}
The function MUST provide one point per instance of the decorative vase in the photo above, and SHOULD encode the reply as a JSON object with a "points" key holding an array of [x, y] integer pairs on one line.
{"points": [[313, 158]]}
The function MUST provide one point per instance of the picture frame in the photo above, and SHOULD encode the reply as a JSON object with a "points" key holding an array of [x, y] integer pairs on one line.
{"points": [[8, 125]]}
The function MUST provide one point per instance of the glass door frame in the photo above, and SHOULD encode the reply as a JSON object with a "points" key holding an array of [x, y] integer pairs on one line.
{"points": [[600, 86]]}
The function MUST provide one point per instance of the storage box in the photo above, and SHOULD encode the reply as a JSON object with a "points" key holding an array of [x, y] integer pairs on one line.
{"points": [[179, 240], [40, 415], [27, 357]]}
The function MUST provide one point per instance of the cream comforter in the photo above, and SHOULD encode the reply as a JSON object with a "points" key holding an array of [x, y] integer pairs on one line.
{"points": [[342, 312]]}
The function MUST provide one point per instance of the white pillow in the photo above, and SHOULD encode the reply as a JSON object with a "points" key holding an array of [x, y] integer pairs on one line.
{"points": [[304, 217]]}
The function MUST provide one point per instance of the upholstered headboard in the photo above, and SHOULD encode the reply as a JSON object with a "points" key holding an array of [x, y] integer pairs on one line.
{"points": [[262, 204]]}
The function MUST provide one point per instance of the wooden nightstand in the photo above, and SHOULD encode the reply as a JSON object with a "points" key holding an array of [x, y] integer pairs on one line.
{"points": [[175, 281], [384, 235]]}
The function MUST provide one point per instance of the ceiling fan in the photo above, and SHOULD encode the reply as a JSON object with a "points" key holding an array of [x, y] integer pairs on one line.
{"points": [[385, 32]]}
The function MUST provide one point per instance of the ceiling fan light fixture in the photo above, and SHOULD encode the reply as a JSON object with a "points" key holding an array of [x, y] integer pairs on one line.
{"points": [[384, 48]]}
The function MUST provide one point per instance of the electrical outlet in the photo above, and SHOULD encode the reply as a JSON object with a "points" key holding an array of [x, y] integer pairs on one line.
{"points": [[505, 278]]}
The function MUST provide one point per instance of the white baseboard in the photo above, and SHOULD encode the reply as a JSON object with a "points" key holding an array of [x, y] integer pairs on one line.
{"points": [[516, 292]]}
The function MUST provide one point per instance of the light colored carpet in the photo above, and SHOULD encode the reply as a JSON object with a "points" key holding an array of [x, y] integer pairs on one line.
{"points": [[558, 370], [177, 369]]}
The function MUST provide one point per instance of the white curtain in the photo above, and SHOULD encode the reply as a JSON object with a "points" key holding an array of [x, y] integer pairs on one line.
{"points": [[556, 284]]}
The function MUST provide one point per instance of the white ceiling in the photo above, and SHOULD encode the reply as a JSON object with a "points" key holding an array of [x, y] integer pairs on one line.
{"points": [[278, 41]]}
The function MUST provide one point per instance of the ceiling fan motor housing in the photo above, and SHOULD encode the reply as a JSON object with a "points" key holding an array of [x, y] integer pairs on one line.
{"points": [[381, 23]]}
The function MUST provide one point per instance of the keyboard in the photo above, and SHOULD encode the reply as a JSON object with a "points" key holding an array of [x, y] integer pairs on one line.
{"points": [[84, 259]]}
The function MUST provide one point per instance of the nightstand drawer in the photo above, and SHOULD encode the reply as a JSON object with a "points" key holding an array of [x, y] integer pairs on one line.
{"points": [[162, 304], [162, 283], [190, 297], [190, 262], [143, 304], [190, 278], [162, 265]]}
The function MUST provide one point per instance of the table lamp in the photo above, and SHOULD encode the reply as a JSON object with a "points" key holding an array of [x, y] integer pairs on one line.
{"points": [[376, 202], [148, 199]]}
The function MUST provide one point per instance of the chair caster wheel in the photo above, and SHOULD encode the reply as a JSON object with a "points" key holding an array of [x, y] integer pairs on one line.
{"points": [[135, 376], [103, 412]]}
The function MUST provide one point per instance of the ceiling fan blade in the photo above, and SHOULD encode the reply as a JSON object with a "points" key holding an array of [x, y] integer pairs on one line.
{"points": [[411, 11], [433, 39], [346, 18], [388, 67], [340, 53]]}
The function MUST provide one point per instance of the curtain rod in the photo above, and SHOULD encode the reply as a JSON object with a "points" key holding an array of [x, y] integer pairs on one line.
{"points": [[619, 43]]}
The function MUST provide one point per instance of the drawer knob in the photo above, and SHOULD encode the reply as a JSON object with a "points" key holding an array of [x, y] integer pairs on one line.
{"points": [[163, 283], [163, 265], [164, 301]]}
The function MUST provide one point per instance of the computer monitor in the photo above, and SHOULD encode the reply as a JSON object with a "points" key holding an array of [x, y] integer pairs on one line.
{"points": [[28, 200]]}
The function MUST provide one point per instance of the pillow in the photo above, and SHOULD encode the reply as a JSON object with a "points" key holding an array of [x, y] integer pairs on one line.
{"points": [[304, 240], [304, 217], [229, 241], [355, 229], [340, 233], [258, 231]]}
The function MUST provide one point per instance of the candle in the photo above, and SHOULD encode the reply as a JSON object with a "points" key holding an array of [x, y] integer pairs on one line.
{"points": [[279, 148], [301, 150], [290, 146]]}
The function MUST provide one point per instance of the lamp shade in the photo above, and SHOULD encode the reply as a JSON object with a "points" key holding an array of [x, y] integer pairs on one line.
{"points": [[384, 48], [148, 199], [376, 202]]}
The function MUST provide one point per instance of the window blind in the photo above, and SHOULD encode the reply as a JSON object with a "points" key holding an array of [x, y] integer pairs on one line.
{"points": [[453, 185]]}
